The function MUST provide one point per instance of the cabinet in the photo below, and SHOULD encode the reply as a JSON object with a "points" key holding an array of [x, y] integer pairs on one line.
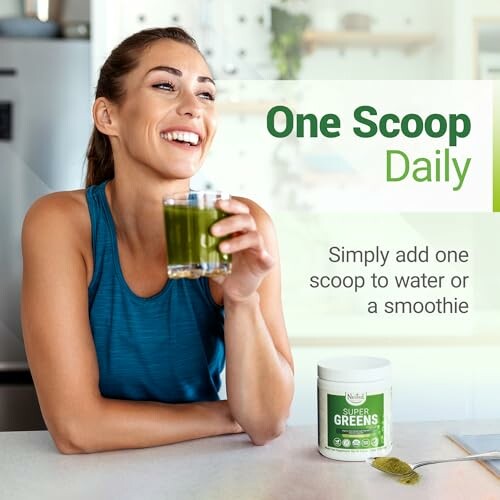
{"points": [[19, 410]]}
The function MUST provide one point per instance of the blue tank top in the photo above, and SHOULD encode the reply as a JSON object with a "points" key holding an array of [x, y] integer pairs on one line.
{"points": [[168, 347]]}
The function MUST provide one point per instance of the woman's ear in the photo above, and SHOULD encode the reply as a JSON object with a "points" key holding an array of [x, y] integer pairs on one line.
{"points": [[102, 112]]}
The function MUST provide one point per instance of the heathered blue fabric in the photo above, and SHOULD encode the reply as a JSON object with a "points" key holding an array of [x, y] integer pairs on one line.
{"points": [[168, 347]]}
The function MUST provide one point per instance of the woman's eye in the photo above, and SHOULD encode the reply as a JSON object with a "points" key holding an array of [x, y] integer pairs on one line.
{"points": [[164, 86], [208, 95]]}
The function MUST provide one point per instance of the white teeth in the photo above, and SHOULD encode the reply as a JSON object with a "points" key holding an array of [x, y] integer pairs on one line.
{"points": [[189, 137], [193, 138]]}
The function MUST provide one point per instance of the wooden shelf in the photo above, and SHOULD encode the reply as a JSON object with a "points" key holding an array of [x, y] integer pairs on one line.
{"points": [[408, 42]]}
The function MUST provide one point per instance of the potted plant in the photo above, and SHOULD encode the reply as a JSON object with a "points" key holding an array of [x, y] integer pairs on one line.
{"points": [[286, 46]]}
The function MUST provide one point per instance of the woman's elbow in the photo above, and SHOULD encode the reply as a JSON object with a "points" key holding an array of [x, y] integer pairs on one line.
{"points": [[263, 434], [67, 447], [262, 431], [69, 438]]}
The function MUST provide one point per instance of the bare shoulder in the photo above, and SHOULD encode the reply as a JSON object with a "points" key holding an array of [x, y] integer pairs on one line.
{"points": [[56, 221], [61, 210], [62, 202]]}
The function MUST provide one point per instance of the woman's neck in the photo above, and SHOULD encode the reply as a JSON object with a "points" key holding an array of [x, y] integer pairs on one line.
{"points": [[136, 206]]}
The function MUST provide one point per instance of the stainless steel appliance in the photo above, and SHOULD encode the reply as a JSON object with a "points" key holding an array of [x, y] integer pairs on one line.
{"points": [[45, 123], [43, 10]]}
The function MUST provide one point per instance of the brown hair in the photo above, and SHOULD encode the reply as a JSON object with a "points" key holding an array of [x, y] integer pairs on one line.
{"points": [[123, 59]]}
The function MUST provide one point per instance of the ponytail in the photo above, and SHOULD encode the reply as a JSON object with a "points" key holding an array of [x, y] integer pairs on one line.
{"points": [[100, 162]]}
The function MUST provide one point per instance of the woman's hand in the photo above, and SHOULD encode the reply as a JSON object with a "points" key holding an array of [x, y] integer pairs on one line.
{"points": [[251, 262]]}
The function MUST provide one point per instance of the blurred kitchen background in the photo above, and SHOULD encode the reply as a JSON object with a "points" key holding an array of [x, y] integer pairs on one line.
{"points": [[50, 55]]}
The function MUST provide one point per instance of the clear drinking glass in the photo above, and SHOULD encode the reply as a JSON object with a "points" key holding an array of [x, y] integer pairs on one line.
{"points": [[192, 251]]}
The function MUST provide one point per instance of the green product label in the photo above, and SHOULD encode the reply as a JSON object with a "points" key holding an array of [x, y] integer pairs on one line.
{"points": [[355, 421]]}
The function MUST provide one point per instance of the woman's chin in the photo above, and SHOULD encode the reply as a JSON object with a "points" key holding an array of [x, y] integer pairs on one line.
{"points": [[179, 172]]}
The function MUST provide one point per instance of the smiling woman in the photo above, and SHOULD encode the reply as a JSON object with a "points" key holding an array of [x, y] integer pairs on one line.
{"points": [[158, 89], [121, 356]]}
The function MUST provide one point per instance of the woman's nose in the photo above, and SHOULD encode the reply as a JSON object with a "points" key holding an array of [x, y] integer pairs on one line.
{"points": [[189, 105]]}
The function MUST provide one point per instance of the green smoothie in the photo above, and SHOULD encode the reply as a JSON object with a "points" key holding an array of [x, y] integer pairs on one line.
{"points": [[192, 251]]}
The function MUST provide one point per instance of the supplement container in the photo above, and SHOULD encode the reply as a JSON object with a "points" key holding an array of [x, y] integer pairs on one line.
{"points": [[354, 408]]}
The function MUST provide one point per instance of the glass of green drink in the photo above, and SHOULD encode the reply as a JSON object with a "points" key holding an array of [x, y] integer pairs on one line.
{"points": [[192, 250]]}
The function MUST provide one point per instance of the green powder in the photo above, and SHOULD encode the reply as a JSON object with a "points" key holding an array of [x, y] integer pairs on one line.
{"points": [[393, 465], [412, 478]]}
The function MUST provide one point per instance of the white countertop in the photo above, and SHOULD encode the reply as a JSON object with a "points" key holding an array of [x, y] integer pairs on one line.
{"points": [[232, 468]]}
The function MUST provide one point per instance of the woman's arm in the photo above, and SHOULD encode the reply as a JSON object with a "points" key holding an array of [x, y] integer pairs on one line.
{"points": [[259, 365], [61, 352]]}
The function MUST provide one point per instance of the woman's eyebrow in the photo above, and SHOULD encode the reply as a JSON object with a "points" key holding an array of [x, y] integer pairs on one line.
{"points": [[178, 72]]}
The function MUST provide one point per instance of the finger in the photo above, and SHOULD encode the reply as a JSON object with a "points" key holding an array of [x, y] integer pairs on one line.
{"points": [[233, 206], [233, 224], [245, 241], [252, 241], [248, 241]]}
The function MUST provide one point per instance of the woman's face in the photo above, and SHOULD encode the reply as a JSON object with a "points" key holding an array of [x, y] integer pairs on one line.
{"points": [[166, 120]]}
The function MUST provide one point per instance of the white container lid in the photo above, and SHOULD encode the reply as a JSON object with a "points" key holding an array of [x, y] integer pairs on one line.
{"points": [[354, 369]]}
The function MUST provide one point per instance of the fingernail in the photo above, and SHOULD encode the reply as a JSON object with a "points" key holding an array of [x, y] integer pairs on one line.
{"points": [[225, 247]]}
